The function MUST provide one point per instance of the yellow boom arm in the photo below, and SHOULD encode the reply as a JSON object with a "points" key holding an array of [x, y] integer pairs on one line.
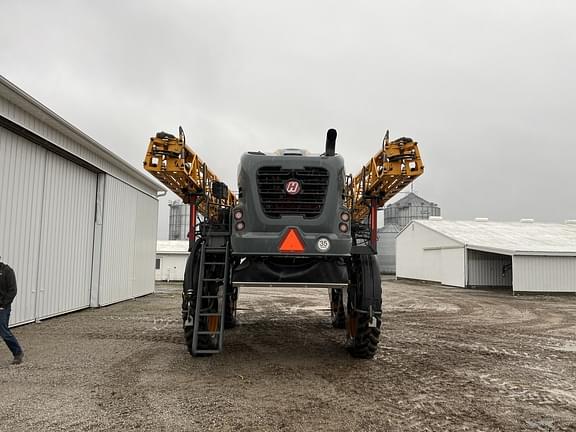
{"points": [[179, 168], [391, 169]]}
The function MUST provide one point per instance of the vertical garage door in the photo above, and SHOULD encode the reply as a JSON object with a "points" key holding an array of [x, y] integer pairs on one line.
{"points": [[145, 250], [117, 265], [47, 208], [128, 243], [432, 264], [22, 167], [66, 244]]}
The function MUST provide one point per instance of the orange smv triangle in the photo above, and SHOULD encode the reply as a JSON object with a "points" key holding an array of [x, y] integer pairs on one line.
{"points": [[291, 242]]}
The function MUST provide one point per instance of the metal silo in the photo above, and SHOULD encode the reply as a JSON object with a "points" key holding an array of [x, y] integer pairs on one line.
{"points": [[396, 217], [387, 248], [179, 220], [409, 208]]}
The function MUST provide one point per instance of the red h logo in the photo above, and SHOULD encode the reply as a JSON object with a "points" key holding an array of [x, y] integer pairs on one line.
{"points": [[292, 187]]}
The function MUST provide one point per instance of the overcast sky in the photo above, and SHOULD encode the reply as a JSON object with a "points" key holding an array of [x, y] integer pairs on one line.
{"points": [[487, 88]]}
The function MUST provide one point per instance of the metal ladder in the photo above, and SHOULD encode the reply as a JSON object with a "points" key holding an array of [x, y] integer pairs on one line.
{"points": [[202, 318]]}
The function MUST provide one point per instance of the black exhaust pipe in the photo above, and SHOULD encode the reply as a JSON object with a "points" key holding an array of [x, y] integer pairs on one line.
{"points": [[331, 142]]}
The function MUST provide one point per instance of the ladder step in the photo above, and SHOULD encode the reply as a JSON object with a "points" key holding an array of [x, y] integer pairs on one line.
{"points": [[207, 351], [219, 234], [216, 250], [212, 256]]}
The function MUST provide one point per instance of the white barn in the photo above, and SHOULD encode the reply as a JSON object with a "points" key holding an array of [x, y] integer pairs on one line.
{"points": [[525, 256], [171, 257], [77, 223]]}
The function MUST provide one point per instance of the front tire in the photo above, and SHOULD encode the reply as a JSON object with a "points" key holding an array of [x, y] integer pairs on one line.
{"points": [[364, 307]]}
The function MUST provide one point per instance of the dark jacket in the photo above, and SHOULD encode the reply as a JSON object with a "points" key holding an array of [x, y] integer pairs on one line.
{"points": [[7, 285]]}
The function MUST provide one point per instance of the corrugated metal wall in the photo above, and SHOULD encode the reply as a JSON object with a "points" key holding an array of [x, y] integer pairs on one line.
{"points": [[453, 267], [432, 264], [47, 233], [489, 269], [52, 214], [544, 274], [128, 243], [117, 262], [65, 265], [46, 229], [22, 166], [145, 254]]}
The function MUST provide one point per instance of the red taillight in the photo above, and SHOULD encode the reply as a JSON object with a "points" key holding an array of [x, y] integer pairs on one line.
{"points": [[291, 242]]}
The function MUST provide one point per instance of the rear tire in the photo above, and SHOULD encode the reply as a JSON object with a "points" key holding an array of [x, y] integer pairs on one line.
{"points": [[364, 294]]}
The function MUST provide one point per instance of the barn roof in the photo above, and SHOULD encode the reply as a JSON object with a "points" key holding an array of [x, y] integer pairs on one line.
{"points": [[509, 238], [78, 147]]}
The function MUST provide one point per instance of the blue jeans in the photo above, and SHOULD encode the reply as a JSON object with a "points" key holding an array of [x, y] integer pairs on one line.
{"points": [[7, 334]]}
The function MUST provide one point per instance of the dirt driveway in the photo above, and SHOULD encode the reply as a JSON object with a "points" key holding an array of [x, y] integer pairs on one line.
{"points": [[450, 359]]}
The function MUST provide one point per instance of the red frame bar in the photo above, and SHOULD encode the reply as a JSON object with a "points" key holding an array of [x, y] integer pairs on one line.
{"points": [[192, 225], [374, 224]]}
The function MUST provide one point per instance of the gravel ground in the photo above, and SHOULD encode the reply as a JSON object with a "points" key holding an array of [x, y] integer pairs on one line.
{"points": [[450, 359]]}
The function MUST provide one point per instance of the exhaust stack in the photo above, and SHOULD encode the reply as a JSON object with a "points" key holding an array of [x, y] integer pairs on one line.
{"points": [[331, 142]]}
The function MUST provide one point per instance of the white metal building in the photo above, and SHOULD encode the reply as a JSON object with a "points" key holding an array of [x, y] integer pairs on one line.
{"points": [[526, 256], [77, 223], [171, 256]]}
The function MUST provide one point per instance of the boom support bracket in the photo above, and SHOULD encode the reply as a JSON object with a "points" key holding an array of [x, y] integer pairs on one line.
{"points": [[394, 167], [175, 165]]}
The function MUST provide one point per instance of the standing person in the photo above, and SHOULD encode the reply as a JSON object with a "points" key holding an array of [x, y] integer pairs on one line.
{"points": [[7, 294]]}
